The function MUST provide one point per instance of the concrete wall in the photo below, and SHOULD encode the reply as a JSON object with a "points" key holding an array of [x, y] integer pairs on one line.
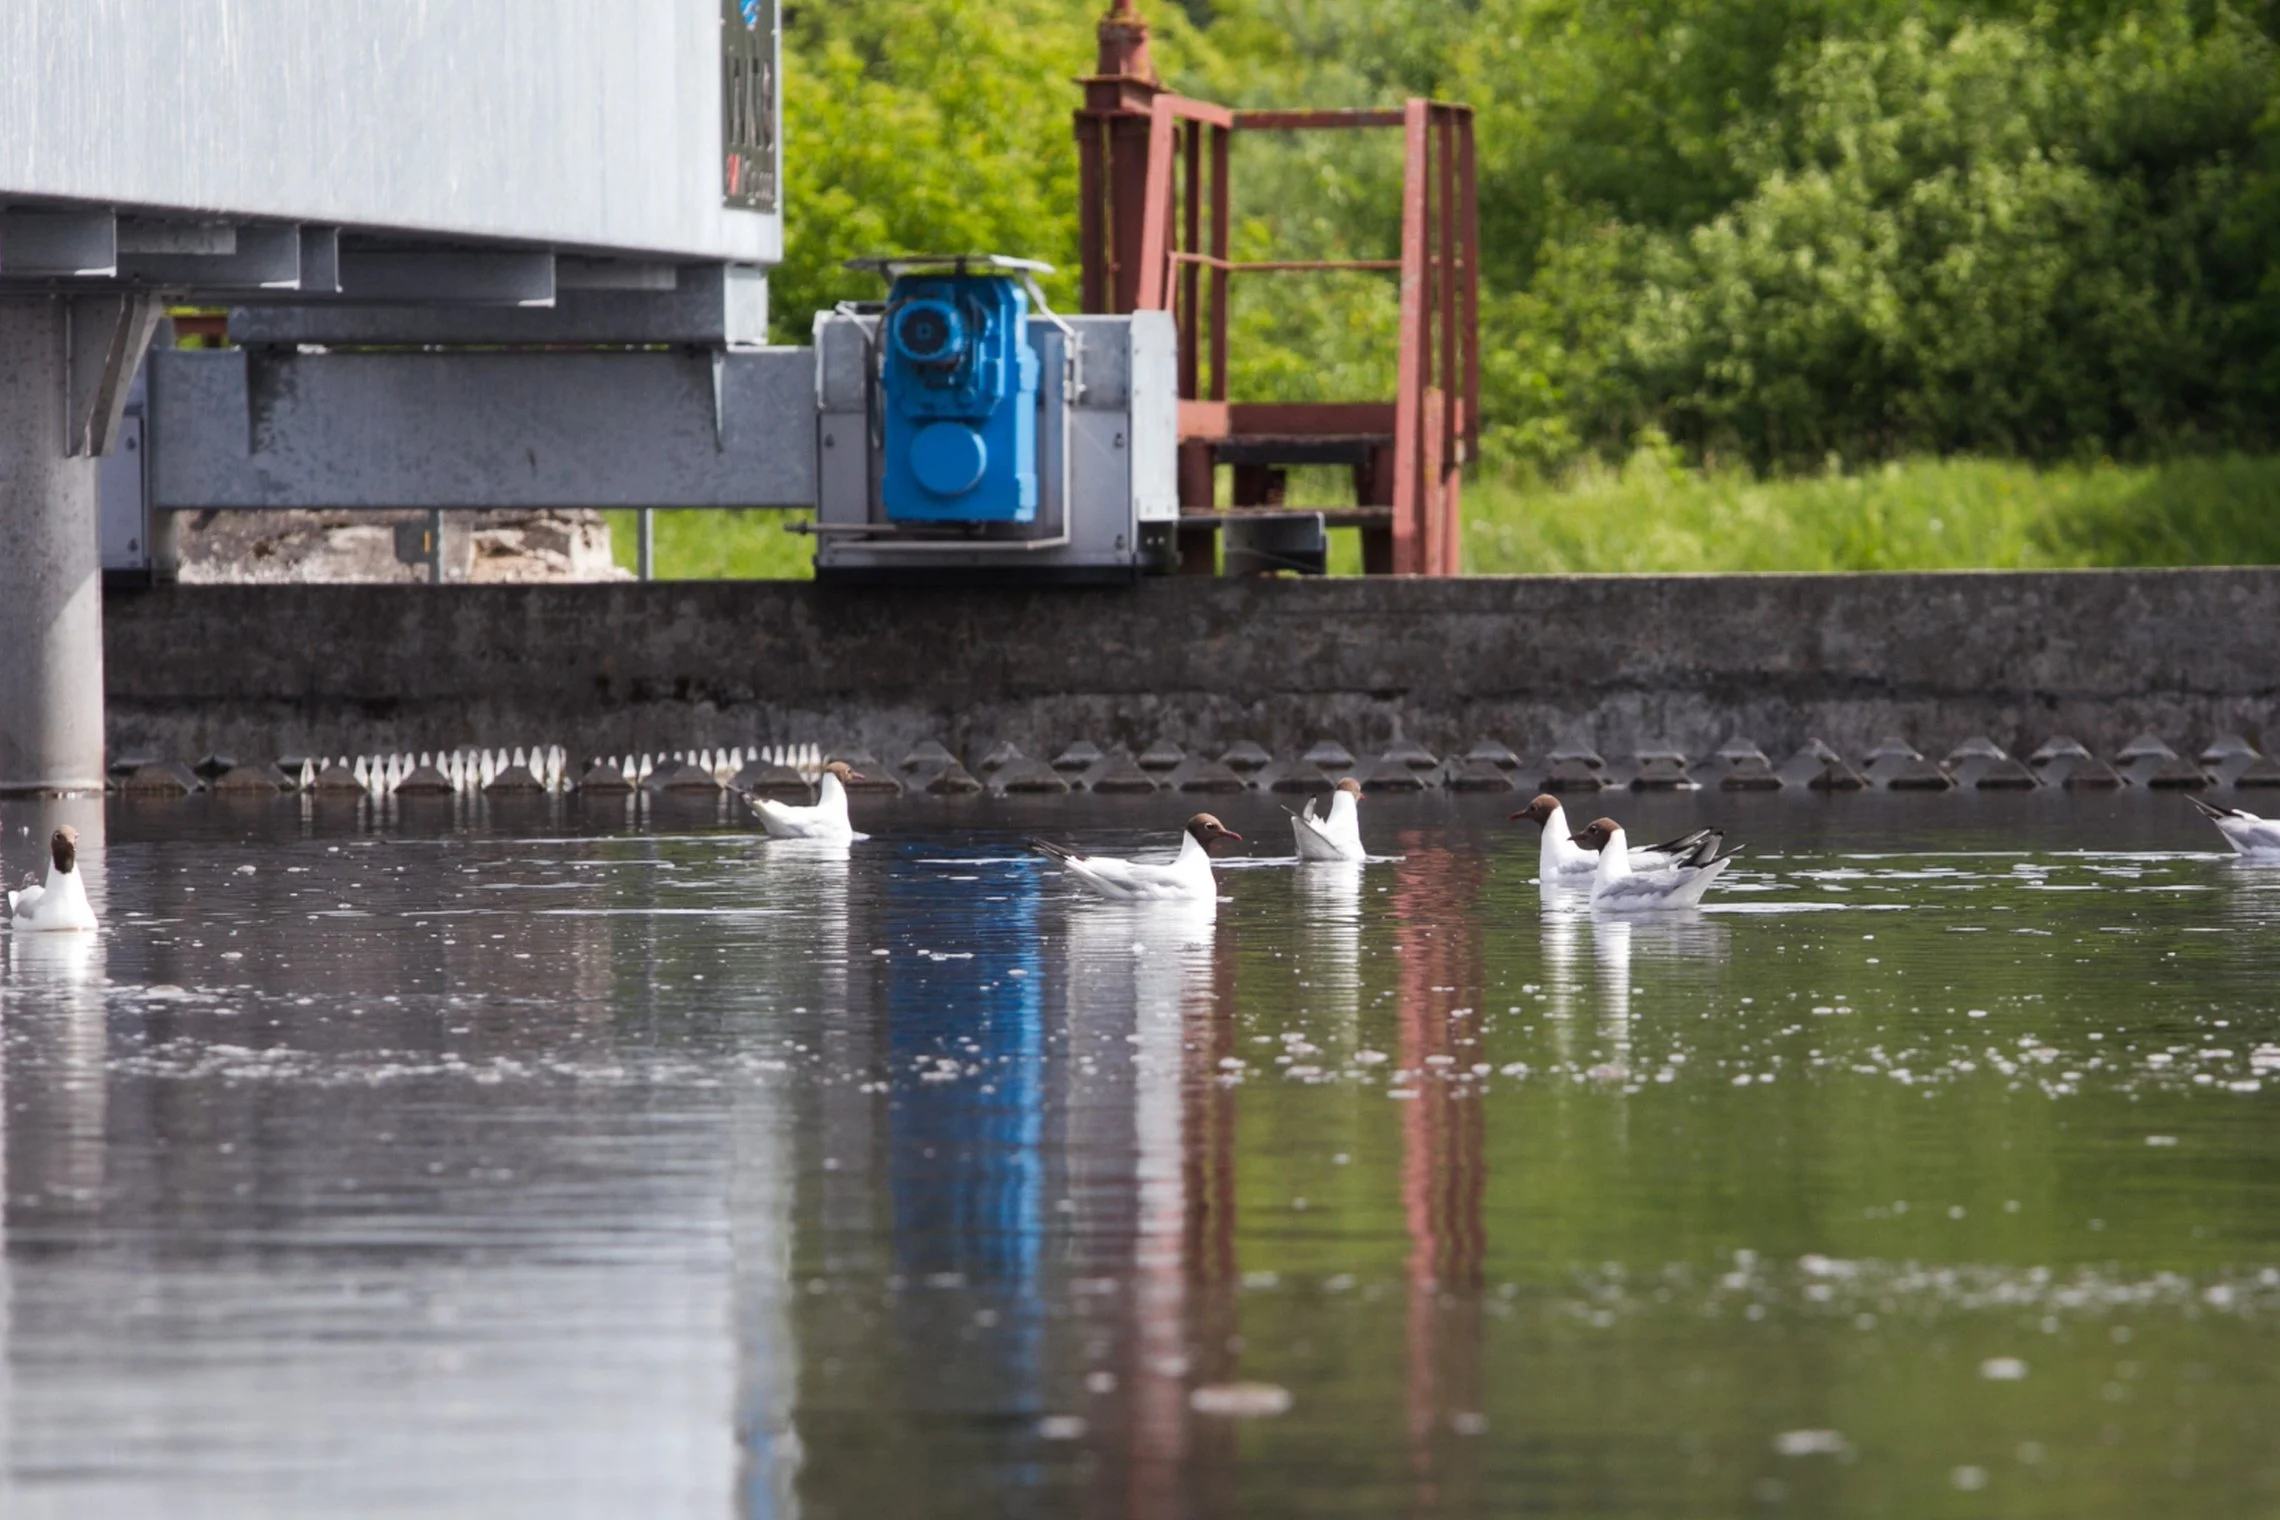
{"points": [[262, 670]]}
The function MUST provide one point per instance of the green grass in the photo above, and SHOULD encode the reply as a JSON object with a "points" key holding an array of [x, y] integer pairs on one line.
{"points": [[717, 546], [1651, 514], [1924, 514]]}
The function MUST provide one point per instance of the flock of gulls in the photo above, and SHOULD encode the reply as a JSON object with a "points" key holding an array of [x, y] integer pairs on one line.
{"points": [[1598, 858], [1597, 862]]}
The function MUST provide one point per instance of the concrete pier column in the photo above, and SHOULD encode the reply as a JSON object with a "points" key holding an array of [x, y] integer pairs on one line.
{"points": [[64, 369]]}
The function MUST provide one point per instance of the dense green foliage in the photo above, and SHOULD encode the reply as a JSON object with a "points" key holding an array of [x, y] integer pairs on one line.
{"points": [[1776, 233]]}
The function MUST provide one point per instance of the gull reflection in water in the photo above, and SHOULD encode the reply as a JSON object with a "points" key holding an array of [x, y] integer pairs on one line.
{"points": [[810, 875], [808, 964], [1562, 986], [1330, 945], [52, 997], [1666, 946], [54, 1094], [1144, 977], [1645, 949]]}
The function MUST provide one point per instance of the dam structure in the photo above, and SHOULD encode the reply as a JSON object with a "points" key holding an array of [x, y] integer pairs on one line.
{"points": [[523, 264]]}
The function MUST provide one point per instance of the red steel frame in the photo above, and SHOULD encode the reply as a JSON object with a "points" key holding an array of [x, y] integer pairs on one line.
{"points": [[1148, 161]]}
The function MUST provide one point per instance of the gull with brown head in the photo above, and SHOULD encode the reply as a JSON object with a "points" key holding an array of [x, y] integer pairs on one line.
{"points": [[1562, 862], [1618, 887], [1186, 877], [60, 902]]}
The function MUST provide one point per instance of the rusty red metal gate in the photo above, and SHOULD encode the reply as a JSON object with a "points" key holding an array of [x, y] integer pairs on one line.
{"points": [[1154, 177]]}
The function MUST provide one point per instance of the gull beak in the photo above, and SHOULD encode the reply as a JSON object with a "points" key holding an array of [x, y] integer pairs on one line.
{"points": [[857, 776], [1582, 838], [1230, 834]]}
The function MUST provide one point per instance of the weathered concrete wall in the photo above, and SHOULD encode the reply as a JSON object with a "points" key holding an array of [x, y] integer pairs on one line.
{"points": [[1619, 659]]}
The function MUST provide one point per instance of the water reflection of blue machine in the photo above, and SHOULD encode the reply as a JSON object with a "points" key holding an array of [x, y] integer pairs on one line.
{"points": [[966, 1153]]}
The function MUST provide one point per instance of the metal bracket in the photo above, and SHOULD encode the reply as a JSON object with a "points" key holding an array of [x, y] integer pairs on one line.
{"points": [[105, 338]]}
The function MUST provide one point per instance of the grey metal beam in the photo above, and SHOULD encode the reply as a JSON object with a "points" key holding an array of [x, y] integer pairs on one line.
{"points": [[58, 244], [614, 274], [708, 304], [320, 261], [256, 258], [151, 234], [504, 277], [273, 428]]}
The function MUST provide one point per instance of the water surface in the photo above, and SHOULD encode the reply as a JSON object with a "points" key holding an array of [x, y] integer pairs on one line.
{"points": [[552, 1158]]}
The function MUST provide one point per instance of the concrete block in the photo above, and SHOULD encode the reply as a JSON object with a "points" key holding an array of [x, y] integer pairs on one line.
{"points": [[1118, 774], [1246, 758], [515, 780], [1080, 756], [1199, 775], [252, 780], [163, 778], [425, 781], [1471, 775], [1022, 776]]}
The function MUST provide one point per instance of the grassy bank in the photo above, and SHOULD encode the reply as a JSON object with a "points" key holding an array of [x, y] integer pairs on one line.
{"points": [[1653, 515], [1924, 514], [717, 546]]}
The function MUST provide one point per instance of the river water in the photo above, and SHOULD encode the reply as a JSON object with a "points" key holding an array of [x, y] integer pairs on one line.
{"points": [[554, 1158]]}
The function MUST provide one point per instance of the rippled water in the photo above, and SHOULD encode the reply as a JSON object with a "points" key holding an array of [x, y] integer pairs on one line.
{"points": [[549, 1159]]}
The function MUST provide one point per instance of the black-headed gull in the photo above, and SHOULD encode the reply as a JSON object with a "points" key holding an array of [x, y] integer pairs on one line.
{"points": [[2243, 830], [60, 902], [1335, 836], [1561, 862], [1617, 887], [1187, 877], [827, 819]]}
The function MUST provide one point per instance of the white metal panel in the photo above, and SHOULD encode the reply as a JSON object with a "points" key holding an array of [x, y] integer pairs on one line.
{"points": [[1154, 371], [586, 123]]}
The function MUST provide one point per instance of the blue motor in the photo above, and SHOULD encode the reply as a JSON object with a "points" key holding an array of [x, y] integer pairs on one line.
{"points": [[960, 390]]}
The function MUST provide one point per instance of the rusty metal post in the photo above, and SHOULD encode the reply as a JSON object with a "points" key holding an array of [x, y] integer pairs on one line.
{"points": [[1220, 193], [1191, 275], [1468, 248], [1452, 451], [1409, 504], [1434, 549], [1113, 132], [1152, 258]]}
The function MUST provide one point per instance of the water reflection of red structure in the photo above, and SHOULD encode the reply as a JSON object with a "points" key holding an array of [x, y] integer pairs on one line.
{"points": [[1188, 1280], [1443, 1174]]}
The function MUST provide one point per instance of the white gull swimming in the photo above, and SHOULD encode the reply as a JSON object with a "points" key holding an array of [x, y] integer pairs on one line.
{"points": [[827, 819], [1336, 835], [2243, 830], [1617, 887], [1562, 862], [60, 903], [1187, 877]]}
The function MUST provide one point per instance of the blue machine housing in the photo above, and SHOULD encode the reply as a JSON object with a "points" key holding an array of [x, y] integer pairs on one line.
{"points": [[959, 387]]}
